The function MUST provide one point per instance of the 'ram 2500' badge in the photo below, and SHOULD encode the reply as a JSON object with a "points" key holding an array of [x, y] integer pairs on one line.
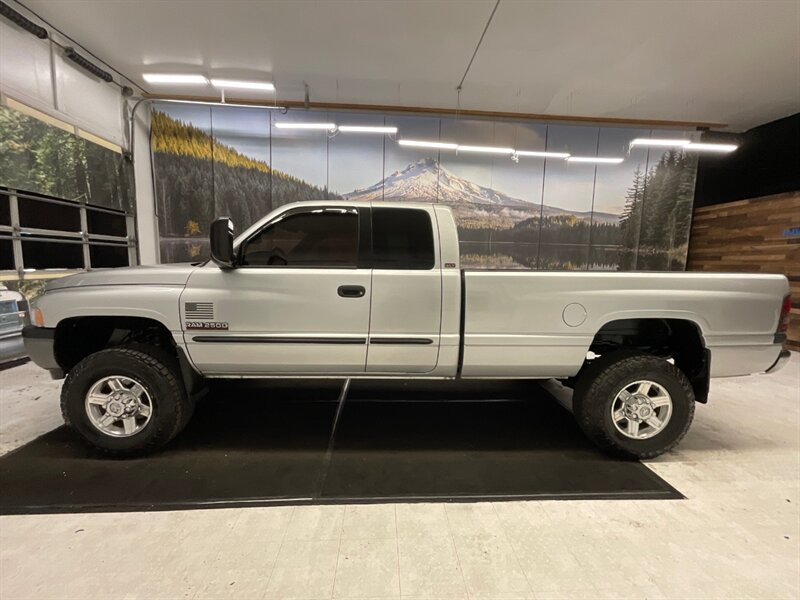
{"points": [[217, 325]]}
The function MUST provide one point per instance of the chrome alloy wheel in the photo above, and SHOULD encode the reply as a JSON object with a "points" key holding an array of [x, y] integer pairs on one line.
{"points": [[641, 409], [118, 406]]}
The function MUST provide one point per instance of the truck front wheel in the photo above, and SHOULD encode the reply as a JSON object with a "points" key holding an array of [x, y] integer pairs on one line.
{"points": [[125, 401], [634, 405]]}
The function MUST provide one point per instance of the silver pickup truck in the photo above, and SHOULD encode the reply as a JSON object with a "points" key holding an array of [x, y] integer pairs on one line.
{"points": [[346, 289]]}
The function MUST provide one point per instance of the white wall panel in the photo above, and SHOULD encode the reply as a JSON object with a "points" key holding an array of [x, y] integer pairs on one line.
{"points": [[146, 222], [25, 67], [90, 103], [26, 74]]}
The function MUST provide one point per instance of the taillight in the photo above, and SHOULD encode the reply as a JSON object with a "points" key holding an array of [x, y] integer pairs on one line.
{"points": [[783, 321]]}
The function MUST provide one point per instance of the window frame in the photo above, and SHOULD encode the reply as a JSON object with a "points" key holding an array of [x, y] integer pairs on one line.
{"points": [[303, 210]]}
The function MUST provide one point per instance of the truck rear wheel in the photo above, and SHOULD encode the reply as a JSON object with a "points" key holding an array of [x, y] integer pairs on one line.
{"points": [[125, 400], [634, 405]]}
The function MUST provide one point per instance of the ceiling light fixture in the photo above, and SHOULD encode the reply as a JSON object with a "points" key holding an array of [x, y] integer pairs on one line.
{"points": [[366, 129], [426, 144], [711, 147], [237, 84], [174, 78], [325, 126], [596, 159], [542, 154], [660, 142], [206, 103], [485, 149]]}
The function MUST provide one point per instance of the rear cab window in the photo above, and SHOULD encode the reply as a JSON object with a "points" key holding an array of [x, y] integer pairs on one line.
{"points": [[402, 238]]}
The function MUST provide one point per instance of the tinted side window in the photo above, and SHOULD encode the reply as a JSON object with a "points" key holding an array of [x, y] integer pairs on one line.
{"points": [[318, 238], [402, 238]]}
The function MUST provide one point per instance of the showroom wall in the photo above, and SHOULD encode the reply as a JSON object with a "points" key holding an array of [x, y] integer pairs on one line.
{"points": [[43, 158], [537, 213], [760, 235], [67, 199], [747, 216], [766, 163], [61, 128]]}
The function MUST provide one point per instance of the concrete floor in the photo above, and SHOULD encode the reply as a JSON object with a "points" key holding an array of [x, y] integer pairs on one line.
{"points": [[737, 535]]}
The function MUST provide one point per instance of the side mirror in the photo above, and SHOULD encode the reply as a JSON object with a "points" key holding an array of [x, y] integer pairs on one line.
{"points": [[221, 239]]}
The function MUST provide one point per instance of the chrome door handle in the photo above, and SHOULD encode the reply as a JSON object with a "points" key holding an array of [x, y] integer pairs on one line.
{"points": [[351, 291]]}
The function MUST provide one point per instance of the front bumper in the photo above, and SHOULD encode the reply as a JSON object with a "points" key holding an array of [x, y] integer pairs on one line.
{"points": [[781, 361], [40, 347]]}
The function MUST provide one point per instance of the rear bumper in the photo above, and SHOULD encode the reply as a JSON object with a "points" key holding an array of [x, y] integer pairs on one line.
{"points": [[781, 361], [40, 347]]}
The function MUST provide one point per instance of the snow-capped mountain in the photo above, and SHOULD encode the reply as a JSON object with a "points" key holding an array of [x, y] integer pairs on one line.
{"points": [[426, 181]]}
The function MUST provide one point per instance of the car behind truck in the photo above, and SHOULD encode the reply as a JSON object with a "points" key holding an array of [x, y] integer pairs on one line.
{"points": [[345, 289]]}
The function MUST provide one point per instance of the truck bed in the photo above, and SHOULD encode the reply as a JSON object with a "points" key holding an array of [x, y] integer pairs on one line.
{"points": [[533, 323]]}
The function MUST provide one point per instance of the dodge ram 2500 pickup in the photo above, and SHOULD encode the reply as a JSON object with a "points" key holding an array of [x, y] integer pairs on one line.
{"points": [[346, 289]]}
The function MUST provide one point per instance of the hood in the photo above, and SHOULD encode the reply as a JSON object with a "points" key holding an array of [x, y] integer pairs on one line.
{"points": [[175, 274]]}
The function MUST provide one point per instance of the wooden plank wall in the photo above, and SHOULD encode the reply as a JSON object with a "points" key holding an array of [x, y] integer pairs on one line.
{"points": [[749, 236]]}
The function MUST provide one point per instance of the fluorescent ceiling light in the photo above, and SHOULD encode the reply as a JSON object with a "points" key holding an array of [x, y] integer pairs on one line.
{"points": [[542, 154], [206, 103], [326, 126], [596, 159], [712, 147], [366, 129], [173, 78], [486, 149], [659, 142], [424, 144], [236, 84]]}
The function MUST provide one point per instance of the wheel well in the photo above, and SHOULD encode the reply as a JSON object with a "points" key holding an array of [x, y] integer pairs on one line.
{"points": [[677, 339], [79, 337]]}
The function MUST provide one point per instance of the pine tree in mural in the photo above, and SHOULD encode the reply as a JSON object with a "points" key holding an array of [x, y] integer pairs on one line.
{"points": [[658, 209], [630, 220], [192, 188]]}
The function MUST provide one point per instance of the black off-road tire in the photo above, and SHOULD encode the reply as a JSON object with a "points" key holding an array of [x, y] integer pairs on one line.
{"points": [[155, 371], [170, 361], [598, 386]]}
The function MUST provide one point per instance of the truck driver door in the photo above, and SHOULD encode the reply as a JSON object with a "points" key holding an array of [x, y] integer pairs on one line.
{"points": [[296, 303]]}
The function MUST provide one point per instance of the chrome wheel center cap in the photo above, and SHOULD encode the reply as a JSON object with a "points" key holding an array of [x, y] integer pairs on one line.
{"points": [[115, 408], [638, 408], [641, 409]]}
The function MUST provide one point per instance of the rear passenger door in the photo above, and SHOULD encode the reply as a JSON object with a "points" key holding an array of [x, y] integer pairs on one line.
{"points": [[406, 307]]}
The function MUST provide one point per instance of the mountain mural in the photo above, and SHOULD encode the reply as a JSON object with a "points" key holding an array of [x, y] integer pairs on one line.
{"points": [[198, 176], [427, 181]]}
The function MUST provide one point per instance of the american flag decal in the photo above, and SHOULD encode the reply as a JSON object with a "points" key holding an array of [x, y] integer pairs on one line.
{"points": [[199, 311]]}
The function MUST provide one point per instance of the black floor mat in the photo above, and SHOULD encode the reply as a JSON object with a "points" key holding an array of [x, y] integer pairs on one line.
{"points": [[258, 444]]}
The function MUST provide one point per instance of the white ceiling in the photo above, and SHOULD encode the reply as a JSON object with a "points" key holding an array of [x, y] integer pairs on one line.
{"points": [[712, 61]]}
